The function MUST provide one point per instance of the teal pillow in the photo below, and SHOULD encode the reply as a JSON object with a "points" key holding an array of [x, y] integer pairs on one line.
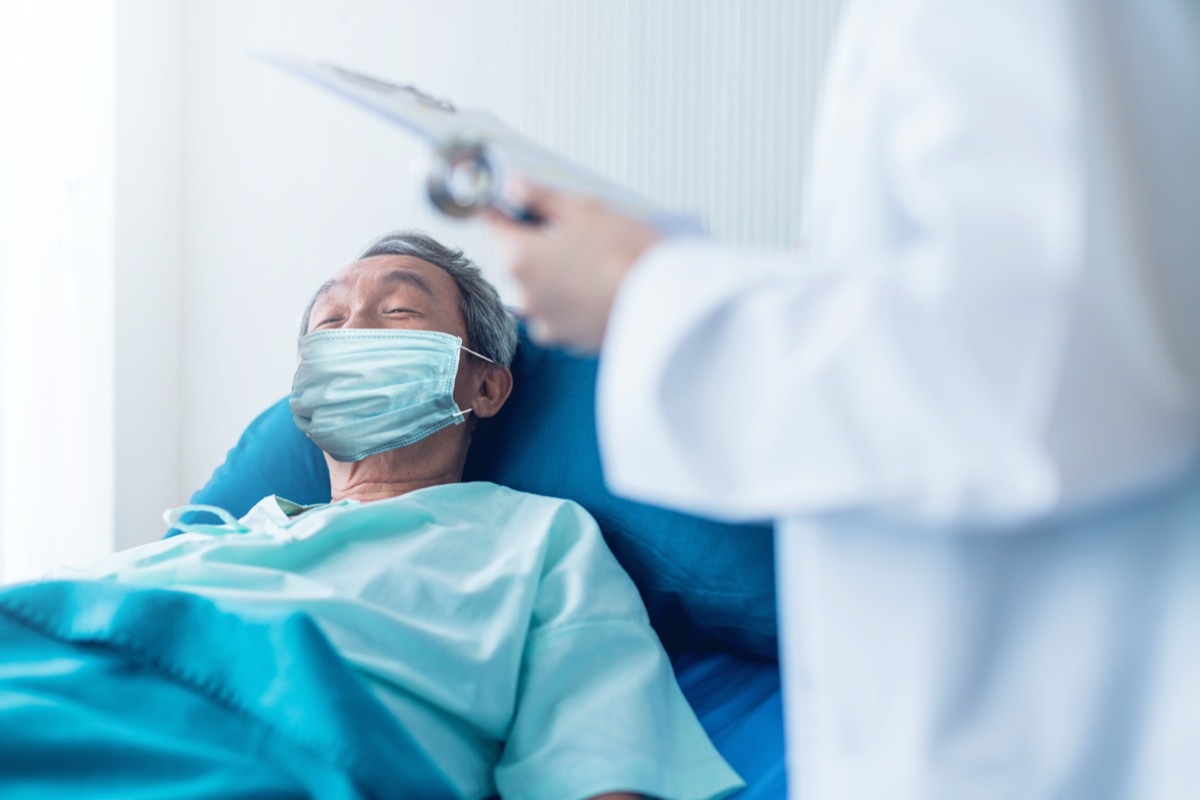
{"points": [[706, 584]]}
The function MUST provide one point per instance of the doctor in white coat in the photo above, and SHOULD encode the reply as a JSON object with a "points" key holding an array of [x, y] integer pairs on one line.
{"points": [[971, 401]]}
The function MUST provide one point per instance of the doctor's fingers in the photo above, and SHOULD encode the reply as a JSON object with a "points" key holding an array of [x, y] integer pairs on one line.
{"points": [[568, 282], [527, 253], [562, 319]]}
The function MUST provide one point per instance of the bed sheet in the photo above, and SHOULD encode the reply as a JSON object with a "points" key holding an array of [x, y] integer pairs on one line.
{"points": [[102, 696]]}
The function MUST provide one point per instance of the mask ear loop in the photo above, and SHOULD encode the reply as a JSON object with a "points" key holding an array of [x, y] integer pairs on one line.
{"points": [[461, 414], [172, 515], [477, 355]]}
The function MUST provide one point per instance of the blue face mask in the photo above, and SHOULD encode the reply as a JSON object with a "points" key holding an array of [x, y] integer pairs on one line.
{"points": [[358, 392]]}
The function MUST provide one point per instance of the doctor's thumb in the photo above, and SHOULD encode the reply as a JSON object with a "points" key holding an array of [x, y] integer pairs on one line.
{"points": [[546, 206]]}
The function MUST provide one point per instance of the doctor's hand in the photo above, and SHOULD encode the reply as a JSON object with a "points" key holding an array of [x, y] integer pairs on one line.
{"points": [[569, 268]]}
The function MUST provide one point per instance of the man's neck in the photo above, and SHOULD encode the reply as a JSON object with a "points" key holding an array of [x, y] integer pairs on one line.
{"points": [[365, 489], [395, 472]]}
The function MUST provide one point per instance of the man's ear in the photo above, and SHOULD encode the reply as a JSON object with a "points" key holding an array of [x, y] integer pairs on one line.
{"points": [[493, 391]]}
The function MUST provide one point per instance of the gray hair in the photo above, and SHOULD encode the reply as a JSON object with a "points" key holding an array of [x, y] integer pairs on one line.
{"points": [[491, 330]]}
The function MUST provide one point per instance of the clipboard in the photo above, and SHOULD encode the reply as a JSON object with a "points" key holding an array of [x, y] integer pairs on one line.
{"points": [[473, 154]]}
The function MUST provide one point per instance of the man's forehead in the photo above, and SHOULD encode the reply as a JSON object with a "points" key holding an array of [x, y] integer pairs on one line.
{"points": [[389, 270]]}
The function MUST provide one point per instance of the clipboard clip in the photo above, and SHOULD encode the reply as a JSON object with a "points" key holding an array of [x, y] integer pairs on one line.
{"points": [[463, 181], [375, 84]]}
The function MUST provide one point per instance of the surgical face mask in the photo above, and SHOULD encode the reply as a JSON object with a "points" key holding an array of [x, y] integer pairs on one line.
{"points": [[358, 392]]}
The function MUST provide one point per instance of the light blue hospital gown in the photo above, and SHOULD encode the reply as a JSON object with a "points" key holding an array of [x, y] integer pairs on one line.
{"points": [[495, 625]]}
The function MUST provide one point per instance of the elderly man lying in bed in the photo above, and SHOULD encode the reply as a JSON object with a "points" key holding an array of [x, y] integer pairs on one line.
{"points": [[418, 636]]}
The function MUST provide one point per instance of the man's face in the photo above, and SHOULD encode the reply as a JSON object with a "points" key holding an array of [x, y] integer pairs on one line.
{"points": [[390, 292], [400, 292]]}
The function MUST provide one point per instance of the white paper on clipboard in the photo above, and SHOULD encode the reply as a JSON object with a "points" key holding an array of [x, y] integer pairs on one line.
{"points": [[440, 123]]}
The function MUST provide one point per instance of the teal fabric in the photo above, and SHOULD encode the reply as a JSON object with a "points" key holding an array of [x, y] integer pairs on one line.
{"points": [[103, 695], [706, 585]]}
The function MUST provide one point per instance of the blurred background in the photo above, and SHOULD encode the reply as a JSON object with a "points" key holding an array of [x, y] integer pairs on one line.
{"points": [[168, 205]]}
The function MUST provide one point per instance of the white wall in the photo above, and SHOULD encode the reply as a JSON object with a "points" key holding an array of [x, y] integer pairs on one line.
{"points": [[699, 104], [57, 267]]}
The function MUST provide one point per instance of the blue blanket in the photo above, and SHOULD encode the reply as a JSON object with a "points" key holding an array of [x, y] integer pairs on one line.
{"points": [[109, 691], [740, 705]]}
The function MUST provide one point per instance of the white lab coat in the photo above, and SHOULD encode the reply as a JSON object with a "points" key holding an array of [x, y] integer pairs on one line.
{"points": [[971, 402]]}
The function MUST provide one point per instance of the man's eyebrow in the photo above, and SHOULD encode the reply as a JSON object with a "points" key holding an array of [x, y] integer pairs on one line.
{"points": [[403, 276], [325, 287]]}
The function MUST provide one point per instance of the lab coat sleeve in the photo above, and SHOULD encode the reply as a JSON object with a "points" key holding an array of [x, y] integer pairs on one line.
{"points": [[913, 372]]}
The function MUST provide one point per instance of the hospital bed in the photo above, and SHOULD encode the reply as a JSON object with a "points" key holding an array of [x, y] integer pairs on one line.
{"points": [[708, 587]]}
